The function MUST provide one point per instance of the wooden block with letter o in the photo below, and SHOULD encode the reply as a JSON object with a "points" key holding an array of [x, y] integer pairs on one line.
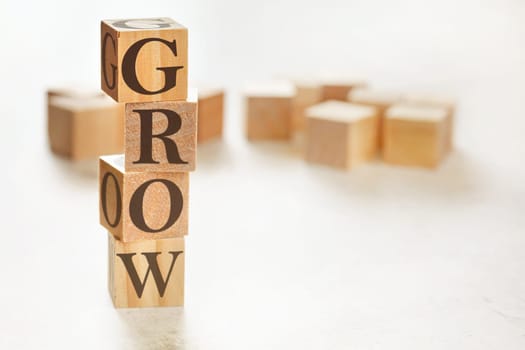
{"points": [[415, 135], [86, 127], [211, 114], [144, 59], [142, 205], [269, 111], [146, 273], [161, 136], [340, 134]]}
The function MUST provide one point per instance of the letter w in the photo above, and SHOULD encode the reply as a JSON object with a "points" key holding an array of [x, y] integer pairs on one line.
{"points": [[153, 267]]}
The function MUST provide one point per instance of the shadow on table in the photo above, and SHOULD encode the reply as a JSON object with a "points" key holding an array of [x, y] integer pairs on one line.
{"points": [[155, 328], [458, 175]]}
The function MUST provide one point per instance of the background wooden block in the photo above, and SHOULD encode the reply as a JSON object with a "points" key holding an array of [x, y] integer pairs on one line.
{"points": [[144, 60], [338, 89], [83, 128], [307, 94], [340, 134], [269, 111], [146, 273], [429, 100], [74, 90], [175, 148], [210, 115], [381, 100], [142, 205], [415, 136]]}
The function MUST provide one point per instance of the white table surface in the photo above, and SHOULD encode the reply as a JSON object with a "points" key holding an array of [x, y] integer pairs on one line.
{"points": [[282, 254]]}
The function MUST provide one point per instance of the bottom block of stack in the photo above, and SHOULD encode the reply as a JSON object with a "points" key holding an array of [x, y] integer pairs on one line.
{"points": [[146, 273]]}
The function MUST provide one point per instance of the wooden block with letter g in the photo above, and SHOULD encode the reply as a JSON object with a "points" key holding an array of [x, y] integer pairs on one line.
{"points": [[142, 205], [415, 135], [146, 273], [341, 134], [144, 59], [161, 136]]}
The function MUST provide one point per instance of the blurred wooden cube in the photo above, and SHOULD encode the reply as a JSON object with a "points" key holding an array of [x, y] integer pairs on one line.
{"points": [[381, 100], [210, 114], [338, 88], [146, 273], [415, 135], [307, 94], [269, 111], [340, 134], [85, 127], [429, 100]]}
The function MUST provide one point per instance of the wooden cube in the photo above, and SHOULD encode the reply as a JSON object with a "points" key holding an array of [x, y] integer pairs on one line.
{"points": [[146, 273], [429, 100], [211, 114], [338, 89], [379, 99], [307, 94], [340, 134], [269, 111], [161, 136], [144, 60], [415, 135], [84, 128], [142, 205]]}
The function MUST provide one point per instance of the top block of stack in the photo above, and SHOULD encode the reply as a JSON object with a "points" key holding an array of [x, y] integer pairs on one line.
{"points": [[144, 60]]}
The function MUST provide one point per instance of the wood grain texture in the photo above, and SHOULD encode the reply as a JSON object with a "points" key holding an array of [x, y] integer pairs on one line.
{"points": [[182, 140], [153, 60], [340, 134], [210, 114], [142, 205], [415, 136], [84, 127], [141, 284]]}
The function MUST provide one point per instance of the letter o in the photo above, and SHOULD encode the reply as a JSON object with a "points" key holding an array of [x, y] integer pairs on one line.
{"points": [[103, 199], [137, 201]]}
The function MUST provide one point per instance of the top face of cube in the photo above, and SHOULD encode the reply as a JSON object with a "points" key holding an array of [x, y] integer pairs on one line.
{"points": [[341, 112], [144, 60], [417, 113]]}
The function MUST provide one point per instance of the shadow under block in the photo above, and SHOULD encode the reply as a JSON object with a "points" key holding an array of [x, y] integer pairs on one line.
{"points": [[84, 128], [306, 95], [426, 100], [146, 273], [142, 205], [210, 115], [340, 134], [144, 60], [161, 136], [415, 136], [339, 89]]}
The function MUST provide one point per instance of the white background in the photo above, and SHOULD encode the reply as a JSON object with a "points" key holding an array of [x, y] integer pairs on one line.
{"points": [[281, 254]]}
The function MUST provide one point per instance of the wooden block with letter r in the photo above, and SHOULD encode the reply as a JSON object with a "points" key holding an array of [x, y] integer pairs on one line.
{"points": [[415, 135], [146, 273], [161, 136], [340, 134], [142, 205], [144, 59]]}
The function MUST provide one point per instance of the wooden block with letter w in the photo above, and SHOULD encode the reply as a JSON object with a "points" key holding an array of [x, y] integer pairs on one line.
{"points": [[146, 273]]}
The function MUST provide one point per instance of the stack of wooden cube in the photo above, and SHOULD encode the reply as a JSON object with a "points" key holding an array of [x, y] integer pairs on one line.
{"points": [[144, 192]]}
